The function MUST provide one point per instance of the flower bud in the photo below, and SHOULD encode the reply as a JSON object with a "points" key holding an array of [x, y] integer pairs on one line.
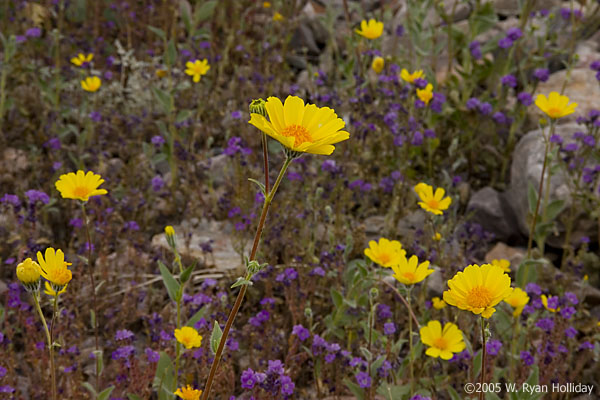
{"points": [[28, 272], [378, 64], [170, 233], [374, 293], [308, 312], [258, 107]]}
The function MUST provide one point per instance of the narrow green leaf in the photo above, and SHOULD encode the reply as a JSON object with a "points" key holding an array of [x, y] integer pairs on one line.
{"points": [[164, 98], [170, 53], [355, 389], [196, 317], [215, 337], [453, 394], [532, 196], [260, 185], [164, 378], [183, 115], [133, 396], [241, 281], [205, 11], [159, 32], [99, 360], [337, 298], [186, 15], [105, 394], [170, 283], [554, 209], [185, 275], [90, 389]]}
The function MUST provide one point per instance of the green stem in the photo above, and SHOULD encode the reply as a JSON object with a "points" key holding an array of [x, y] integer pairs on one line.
{"points": [[410, 349], [481, 379], [50, 346], [242, 292]]}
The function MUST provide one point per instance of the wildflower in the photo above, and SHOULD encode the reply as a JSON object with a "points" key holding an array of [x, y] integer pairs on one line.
{"points": [[502, 263], [505, 43], [525, 98], [123, 334], [278, 17], [82, 59], [546, 324], [301, 128], [442, 342], [91, 84], [472, 103], [248, 379], [410, 78], [567, 312], [378, 64], [363, 379], [407, 271], [514, 33], [571, 298], [301, 332], [475, 49], [517, 300], [550, 303], [556, 105], [287, 385], [54, 268], [80, 186], [153, 356], [425, 95], [437, 237], [169, 231], [541, 74], [389, 328], [493, 347], [385, 252], [51, 292], [509, 80], [430, 202], [187, 393], [527, 358], [188, 336], [478, 289], [197, 68], [28, 272], [266, 4], [438, 303], [370, 30], [161, 73]]}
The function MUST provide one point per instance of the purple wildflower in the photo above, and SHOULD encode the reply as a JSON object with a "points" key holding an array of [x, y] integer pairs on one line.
{"points": [[389, 328], [541, 74], [572, 297], [509, 80], [363, 379], [525, 98], [567, 312], [123, 334], [287, 385], [527, 358], [153, 356], [37, 195], [546, 324], [514, 33], [301, 332], [505, 43], [248, 379], [570, 332], [493, 347]]}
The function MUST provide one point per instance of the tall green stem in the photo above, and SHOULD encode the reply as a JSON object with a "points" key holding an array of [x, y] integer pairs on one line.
{"points": [[242, 292], [177, 345], [50, 346], [481, 379], [410, 349]]}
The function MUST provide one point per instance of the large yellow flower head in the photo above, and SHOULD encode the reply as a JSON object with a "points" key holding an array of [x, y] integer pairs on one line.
{"points": [[433, 203], [385, 252], [478, 289], [409, 271], [54, 268], [28, 272], [371, 30], [91, 84], [80, 186], [187, 393], [556, 105], [517, 300], [81, 59], [197, 68], [301, 128], [502, 263], [425, 95], [410, 78], [188, 337], [442, 342]]}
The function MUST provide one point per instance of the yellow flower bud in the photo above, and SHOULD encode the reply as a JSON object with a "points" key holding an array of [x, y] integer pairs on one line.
{"points": [[169, 230], [28, 272], [378, 64]]}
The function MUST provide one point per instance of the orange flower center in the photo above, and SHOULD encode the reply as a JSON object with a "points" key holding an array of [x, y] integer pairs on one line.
{"points": [[554, 112], [298, 132], [440, 343], [409, 276], [433, 203], [384, 258], [479, 297], [81, 192]]}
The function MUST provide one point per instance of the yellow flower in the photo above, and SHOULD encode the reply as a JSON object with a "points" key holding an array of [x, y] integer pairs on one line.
{"points": [[81, 59], [278, 17], [442, 343], [51, 292], [188, 337], [502, 263], [545, 303], [299, 127], [437, 237], [478, 289], [385, 252], [187, 393], [54, 268], [517, 300], [266, 4], [410, 78], [378, 64], [438, 303], [430, 202], [161, 73], [425, 94], [169, 231], [91, 84], [556, 105], [409, 271], [371, 29], [80, 186], [28, 271], [197, 69]]}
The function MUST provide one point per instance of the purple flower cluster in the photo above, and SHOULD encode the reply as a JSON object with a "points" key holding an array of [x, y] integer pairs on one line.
{"points": [[301, 332], [512, 35], [234, 146], [273, 380]]}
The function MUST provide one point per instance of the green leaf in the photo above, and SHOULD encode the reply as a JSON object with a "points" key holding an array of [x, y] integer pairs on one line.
{"points": [[105, 394], [90, 388], [477, 364], [183, 115], [393, 392], [185, 275], [186, 15], [241, 281], [164, 378], [453, 394], [170, 283], [215, 337], [260, 185], [170, 53], [165, 99], [205, 11], [527, 271], [159, 32], [337, 298], [532, 197], [133, 396], [196, 317], [355, 389], [554, 209], [99, 360]]}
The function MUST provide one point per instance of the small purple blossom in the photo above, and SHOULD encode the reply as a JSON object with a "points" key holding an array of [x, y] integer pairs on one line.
{"points": [[153, 356], [505, 43], [533, 288], [572, 297], [363, 379], [389, 328], [570, 332], [493, 347], [123, 334], [567, 312], [525, 98], [157, 140], [514, 33], [248, 379], [287, 386], [301, 332], [37, 195], [509, 80], [541, 74], [485, 108], [545, 324], [527, 358]]}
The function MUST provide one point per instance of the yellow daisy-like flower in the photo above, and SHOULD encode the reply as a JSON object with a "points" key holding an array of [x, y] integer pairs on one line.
{"points": [[425, 95], [80, 186], [502, 263], [278, 17], [545, 303], [410, 78], [478, 289], [197, 68], [385, 252], [28, 272], [299, 127], [378, 64], [409, 271], [187, 393], [517, 300], [51, 292], [442, 342], [371, 30], [433, 203], [54, 268], [188, 337], [91, 84], [81, 59], [556, 105], [438, 303], [266, 4]]}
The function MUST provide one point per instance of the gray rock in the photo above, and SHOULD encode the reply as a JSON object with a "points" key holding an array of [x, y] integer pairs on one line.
{"points": [[493, 212]]}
